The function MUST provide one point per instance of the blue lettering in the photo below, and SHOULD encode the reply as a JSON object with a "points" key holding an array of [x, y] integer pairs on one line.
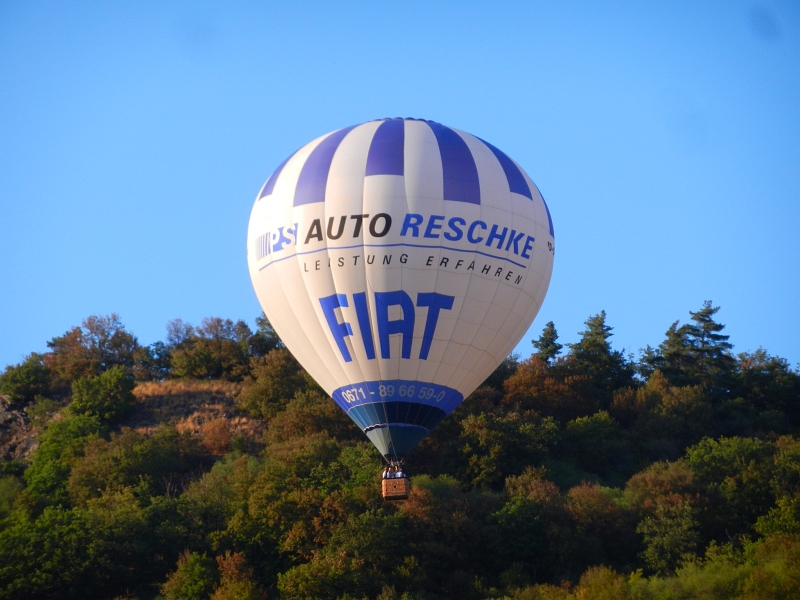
{"points": [[282, 240], [411, 221], [404, 326], [470, 238], [514, 240], [362, 313], [339, 330], [528, 247], [500, 237], [435, 302], [434, 224], [457, 233]]}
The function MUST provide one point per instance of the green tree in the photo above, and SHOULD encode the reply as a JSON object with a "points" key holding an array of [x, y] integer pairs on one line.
{"points": [[217, 349], [674, 357], [694, 353], [671, 536], [59, 445], [10, 488], [159, 464], [521, 525], [711, 348], [597, 445], [21, 383], [593, 355], [500, 445], [265, 339], [152, 363], [737, 473], [108, 396], [275, 378], [358, 558], [193, 579], [771, 389], [547, 344]]}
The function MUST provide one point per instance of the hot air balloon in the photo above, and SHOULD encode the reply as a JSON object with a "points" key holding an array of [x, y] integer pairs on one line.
{"points": [[400, 261]]}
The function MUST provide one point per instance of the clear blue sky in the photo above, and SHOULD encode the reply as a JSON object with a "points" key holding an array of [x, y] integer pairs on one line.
{"points": [[664, 136]]}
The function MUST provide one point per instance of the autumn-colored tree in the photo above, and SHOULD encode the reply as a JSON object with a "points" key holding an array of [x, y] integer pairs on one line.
{"points": [[99, 344], [555, 391]]}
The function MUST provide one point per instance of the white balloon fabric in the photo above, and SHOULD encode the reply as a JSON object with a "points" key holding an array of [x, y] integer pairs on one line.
{"points": [[400, 261]]}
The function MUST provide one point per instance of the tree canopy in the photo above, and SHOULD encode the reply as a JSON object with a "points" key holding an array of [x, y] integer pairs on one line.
{"points": [[570, 475]]}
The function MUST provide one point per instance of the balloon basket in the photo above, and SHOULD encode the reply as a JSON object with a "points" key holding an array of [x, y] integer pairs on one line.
{"points": [[396, 488]]}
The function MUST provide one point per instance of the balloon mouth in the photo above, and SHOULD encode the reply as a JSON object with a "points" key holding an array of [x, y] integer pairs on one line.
{"points": [[396, 440]]}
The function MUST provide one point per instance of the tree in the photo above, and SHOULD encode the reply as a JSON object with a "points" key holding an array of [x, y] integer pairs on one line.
{"points": [[673, 357], [265, 339], [236, 580], [593, 355], [499, 445], [671, 536], [275, 378], [193, 579], [100, 343], [154, 465], [21, 383], [503, 371], [771, 388], [737, 473], [694, 353], [547, 346], [59, 445], [596, 445], [152, 363], [559, 390], [108, 396], [217, 349], [711, 348]]}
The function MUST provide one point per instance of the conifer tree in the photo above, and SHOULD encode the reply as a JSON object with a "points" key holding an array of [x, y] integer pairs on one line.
{"points": [[547, 346], [593, 355], [711, 349], [673, 357], [693, 353]]}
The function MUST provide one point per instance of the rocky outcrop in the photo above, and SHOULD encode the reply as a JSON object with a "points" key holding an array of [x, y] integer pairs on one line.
{"points": [[17, 438]]}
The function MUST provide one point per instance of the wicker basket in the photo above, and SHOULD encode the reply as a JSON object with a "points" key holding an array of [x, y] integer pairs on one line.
{"points": [[396, 488]]}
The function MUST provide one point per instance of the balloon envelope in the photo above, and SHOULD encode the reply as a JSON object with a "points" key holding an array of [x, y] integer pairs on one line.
{"points": [[400, 261]]}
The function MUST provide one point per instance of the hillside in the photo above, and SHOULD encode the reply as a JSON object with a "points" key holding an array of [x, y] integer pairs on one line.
{"points": [[210, 465]]}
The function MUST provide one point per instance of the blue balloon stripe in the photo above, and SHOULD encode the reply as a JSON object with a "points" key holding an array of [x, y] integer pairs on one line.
{"points": [[397, 391], [516, 180], [460, 173], [270, 185], [549, 218], [314, 175], [387, 150]]}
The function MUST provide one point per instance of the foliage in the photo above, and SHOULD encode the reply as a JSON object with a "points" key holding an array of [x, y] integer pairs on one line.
{"points": [[59, 446], [217, 349], [564, 476], [547, 344], [20, 384], [100, 343], [108, 396], [275, 378], [193, 579]]}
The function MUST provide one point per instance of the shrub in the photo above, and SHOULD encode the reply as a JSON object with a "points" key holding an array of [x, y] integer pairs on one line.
{"points": [[108, 396]]}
